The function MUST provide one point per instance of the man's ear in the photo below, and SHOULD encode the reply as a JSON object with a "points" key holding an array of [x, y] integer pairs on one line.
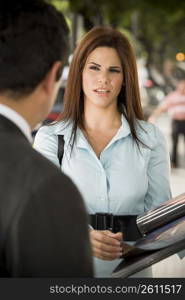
{"points": [[49, 81]]}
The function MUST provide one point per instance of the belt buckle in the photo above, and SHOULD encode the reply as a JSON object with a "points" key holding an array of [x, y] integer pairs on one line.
{"points": [[111, 222], [104, 220]]}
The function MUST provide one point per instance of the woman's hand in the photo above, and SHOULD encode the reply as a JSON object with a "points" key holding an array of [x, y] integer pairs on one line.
{"points": [[105, 244]]}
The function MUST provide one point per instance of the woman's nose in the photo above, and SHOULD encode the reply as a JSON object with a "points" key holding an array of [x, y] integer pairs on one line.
{"points": [[103, 78]]}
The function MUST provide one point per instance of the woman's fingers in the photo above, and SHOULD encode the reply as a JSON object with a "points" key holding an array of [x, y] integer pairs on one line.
{"points": [[105, 236], [106, 247], [118, 236], [105, 244], [106, 255]]}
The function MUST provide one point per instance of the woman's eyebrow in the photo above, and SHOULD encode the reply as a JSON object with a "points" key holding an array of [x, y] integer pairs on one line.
{"points": [[98, 65], [115, 67], [91, 62]]}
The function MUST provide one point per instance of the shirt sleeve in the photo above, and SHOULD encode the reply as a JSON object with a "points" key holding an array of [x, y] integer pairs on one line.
{"points": [[158, 172], [46, 142]]}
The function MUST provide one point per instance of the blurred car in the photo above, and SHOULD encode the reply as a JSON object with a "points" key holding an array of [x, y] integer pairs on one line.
{"points": [[57, 107], [53, 115]]}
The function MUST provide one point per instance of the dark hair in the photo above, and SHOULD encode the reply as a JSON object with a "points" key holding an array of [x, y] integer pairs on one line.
{"points": [[33, 35], [129, 98]]}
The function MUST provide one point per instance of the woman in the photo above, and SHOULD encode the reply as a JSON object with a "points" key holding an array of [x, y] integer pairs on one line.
{"points": [[117, 160]]}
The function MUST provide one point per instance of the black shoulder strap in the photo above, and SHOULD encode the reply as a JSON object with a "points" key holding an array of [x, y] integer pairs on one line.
{"points": [[60, 148]]}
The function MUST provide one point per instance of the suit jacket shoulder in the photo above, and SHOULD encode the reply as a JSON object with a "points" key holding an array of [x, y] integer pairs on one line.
{"points": [[44, 224]]}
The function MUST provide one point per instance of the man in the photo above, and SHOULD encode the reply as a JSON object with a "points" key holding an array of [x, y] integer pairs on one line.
{"points": [[43, 225], [174, 103]]}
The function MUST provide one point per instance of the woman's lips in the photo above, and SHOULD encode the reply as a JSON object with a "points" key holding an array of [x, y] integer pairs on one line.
{"points": [[102, 91]]}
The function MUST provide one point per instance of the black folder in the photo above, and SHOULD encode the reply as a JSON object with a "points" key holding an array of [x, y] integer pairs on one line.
{"points": [[163, 234]]}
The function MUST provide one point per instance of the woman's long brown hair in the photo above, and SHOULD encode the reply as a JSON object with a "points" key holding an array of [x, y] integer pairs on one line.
{"points": [[129, 102]]}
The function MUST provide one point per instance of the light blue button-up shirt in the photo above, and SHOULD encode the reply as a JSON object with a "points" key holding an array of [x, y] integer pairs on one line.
{"points": [[125, 180]]}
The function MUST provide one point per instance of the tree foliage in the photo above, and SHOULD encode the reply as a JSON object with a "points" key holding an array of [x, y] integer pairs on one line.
{"points": [[157, 26]]}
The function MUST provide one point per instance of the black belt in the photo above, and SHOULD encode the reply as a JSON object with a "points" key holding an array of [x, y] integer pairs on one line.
{"points": [[125, 224]]}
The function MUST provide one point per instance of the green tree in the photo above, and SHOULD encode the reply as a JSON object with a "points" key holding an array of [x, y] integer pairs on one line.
{"points": [[157, 27], [160, 31]]}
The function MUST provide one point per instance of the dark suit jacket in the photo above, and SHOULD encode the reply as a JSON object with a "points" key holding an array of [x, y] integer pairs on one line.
{"points": [[43, 223]]}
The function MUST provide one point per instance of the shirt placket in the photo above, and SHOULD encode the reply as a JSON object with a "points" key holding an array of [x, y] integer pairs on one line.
{"points": [[103, 193]]}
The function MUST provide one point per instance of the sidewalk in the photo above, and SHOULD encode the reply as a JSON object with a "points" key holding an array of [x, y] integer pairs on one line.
{"points": [[172, 266], [178, 181], [177, 175]]}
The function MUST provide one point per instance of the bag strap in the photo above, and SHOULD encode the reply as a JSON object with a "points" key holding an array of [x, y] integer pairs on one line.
{"points": [[60, 148]]}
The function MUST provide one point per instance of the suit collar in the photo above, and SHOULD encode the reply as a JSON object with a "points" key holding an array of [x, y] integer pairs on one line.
{"points": [[7, 126], [17, 119]]}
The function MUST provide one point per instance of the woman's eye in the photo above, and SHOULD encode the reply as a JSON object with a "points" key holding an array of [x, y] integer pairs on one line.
{"points": [[115, 70], [94, 68]]}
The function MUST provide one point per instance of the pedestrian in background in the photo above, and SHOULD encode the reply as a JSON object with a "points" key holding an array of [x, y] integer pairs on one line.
{"points": [[174, 104], [43, 222], [118, 161]]}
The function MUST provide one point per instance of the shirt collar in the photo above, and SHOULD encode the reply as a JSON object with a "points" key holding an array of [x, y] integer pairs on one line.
{"points": [[65, 128], [17, 119], [124, 129], [122, 132]]}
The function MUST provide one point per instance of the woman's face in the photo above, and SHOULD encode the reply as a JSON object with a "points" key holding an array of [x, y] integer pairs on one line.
{"points": [[102, 77]]}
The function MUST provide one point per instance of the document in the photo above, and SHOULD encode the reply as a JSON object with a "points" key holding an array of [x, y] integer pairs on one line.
{"points": [[163, 234]]}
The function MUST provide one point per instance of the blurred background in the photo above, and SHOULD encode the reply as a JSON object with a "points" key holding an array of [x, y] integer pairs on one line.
{"points": [[156, 30]]}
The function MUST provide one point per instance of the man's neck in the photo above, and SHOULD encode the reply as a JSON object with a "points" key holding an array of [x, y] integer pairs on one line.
{"points": [[21, 107]]}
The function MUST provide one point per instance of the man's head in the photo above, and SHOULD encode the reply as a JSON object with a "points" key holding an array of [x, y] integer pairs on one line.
{"points": [[33, 36], [33, 44]]}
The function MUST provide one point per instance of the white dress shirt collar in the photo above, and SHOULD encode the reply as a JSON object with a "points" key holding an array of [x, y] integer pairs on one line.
{"points": [[17, 119]]}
